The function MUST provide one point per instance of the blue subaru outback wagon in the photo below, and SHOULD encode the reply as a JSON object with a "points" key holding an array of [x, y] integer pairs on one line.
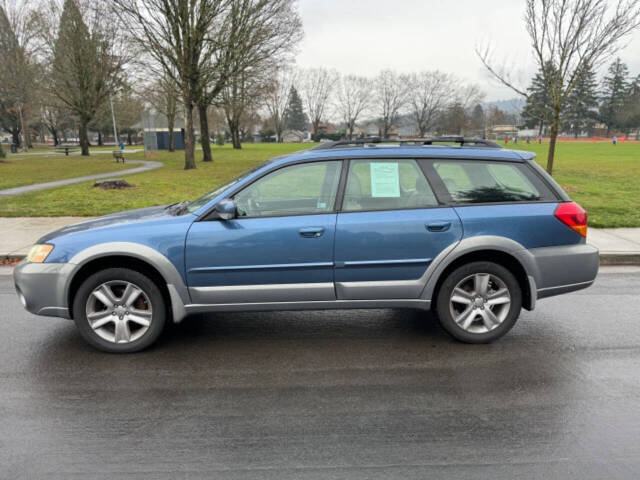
{"points": [[471, 231]]}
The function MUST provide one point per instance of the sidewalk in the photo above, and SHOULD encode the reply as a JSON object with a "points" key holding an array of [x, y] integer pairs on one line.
{"points": [[618, 246]]}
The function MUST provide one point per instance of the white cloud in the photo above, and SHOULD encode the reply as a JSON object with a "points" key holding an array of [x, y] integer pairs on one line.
{"points": [[363, 37]]}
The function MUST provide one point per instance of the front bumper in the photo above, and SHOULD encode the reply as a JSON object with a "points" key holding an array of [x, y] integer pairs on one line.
{"points": [[42, 286]]}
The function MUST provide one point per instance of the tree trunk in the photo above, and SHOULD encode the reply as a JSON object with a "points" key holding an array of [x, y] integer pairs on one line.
{"points": [[54, 134], [129, 142], [100, 140], [15, 136], [552, 142], [189, 147], [170, 124], [234, 129], [84, 138], [237, 144], [540, 129], [204, 134]]}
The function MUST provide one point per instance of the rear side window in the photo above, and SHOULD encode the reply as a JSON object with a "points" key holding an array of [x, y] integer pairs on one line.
{"points": [[488, 182], [386, 185]]}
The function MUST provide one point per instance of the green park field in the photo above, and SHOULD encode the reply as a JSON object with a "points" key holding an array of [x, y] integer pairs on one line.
{"points": [[603, 178], [18, 170]]}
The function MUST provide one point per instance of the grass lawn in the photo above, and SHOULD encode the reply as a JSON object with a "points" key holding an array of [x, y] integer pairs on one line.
{"points": [[603, 178], [17, 170], [164, 185]]}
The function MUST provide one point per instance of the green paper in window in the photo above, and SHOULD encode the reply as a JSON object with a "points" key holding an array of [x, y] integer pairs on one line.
{"points": [[385, 181]]}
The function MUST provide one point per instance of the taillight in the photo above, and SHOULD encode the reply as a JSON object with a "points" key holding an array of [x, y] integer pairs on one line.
{"points": [[574, 216]]}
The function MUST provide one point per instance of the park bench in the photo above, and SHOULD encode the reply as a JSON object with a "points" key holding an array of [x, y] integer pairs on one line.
{"points": [[66, 149], [118, 155]]}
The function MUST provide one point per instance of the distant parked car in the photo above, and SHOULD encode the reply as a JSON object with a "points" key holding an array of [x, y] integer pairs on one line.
{"points": [[471, 231]]}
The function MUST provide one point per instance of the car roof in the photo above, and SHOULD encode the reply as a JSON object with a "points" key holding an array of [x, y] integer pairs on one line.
{"points": [[405, 151]]}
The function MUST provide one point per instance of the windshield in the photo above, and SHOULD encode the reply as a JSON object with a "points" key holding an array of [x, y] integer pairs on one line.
{"points": [[203, 200]]}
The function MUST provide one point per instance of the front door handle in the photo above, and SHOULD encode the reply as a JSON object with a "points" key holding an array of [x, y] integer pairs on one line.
{"points": [[438, 226], [311, 232]]}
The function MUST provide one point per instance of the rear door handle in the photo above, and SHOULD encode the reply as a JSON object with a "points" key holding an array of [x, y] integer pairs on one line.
{"points": [[311, 232], [438, 226]]}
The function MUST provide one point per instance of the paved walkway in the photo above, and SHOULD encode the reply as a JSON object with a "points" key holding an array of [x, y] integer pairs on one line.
{"points": [[146, 165], [21, 155], [617, 245]]}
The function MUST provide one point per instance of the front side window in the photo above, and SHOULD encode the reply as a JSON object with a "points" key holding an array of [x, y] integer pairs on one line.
{"points": [[486, 182], [295, 190], [386, 185]]}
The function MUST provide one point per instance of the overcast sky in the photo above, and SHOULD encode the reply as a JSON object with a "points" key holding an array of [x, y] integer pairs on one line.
{"points": [[364, 36]]}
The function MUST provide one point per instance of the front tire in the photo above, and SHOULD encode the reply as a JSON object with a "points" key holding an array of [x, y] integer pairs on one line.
{"points": [[479, 302], [118, 310]]}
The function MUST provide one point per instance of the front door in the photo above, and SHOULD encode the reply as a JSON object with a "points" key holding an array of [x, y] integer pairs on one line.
{"points": [[389, 230], [280, 246]]}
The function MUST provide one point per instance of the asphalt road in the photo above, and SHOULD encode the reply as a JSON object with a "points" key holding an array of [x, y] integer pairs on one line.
{"points": [[332, 395]]}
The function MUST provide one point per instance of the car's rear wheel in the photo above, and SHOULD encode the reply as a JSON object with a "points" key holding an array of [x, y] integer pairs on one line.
{"points": [[119, 310], [479, 302]]}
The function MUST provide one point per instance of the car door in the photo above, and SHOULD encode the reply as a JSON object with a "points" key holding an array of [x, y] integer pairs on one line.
{"points": [[279, 248], [389, 230]]}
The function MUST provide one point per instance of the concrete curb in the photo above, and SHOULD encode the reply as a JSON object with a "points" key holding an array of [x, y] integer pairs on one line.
{"points": [[630, 258]]}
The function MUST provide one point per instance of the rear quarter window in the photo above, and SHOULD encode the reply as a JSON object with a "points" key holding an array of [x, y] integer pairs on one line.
{"points": [[477, 181]]}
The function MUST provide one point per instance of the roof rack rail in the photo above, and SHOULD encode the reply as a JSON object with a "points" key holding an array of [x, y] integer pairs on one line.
{"points": [[359, 142]]}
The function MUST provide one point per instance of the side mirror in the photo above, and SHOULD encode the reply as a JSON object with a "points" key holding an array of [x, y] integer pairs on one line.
{"points": [[226, 209]]}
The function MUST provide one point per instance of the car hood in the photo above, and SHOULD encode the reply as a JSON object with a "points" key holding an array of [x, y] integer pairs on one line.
{"points": [[115, 219]]}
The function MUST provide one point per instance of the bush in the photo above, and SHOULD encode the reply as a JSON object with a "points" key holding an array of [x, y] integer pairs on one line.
{"points": [[220, 139], [2, 154]]}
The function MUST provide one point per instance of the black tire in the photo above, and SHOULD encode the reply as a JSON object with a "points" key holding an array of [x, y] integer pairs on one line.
{"points": [[443, 307], [150, 289]]}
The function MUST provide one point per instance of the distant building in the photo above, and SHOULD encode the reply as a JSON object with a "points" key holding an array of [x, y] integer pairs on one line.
{"points": [[501, 131], [294, 136]]}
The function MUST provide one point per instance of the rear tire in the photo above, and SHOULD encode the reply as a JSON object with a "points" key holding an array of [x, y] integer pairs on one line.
{"points": [[118, 310], [479, 302]]}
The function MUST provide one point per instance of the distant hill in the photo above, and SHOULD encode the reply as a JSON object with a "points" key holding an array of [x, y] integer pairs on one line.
{"points": [[512, 105]]}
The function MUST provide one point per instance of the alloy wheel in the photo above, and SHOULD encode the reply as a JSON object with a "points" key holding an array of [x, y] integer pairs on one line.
{"points": [[480, 302], [119, 311]]}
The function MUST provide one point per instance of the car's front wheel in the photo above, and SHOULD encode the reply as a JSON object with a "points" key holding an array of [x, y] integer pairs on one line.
{"points": [[119, 310], [479, 302]]}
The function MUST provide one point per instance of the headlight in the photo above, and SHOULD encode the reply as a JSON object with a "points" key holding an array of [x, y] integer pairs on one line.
{"points": [[39, 253]]}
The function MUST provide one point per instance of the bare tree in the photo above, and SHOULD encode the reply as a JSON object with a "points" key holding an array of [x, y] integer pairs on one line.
{"points": [[277, 98], [243, 95], [567, 35], [353, 99], [391, 92], [256, 34], [164, 95], [181, 37], [430, 93], [317, 86]]}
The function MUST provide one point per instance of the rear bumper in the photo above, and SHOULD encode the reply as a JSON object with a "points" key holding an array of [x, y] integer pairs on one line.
{"points": [[41, 287], [564, 269]]}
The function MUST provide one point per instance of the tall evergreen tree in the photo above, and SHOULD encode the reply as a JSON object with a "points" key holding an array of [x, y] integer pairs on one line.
{"points": [[295, 118], [538, 110], [614, 91], [85, 67], [631, 112], [582, 103]]}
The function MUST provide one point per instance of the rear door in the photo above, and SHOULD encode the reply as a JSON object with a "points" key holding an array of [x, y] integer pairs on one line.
{"points": [[389, 230]]}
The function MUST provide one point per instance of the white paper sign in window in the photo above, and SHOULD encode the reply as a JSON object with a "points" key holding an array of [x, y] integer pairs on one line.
{"points": [[385, 180]]}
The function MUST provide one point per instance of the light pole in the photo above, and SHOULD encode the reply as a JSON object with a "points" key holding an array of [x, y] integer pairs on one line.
{"points": [[113, 117]]}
